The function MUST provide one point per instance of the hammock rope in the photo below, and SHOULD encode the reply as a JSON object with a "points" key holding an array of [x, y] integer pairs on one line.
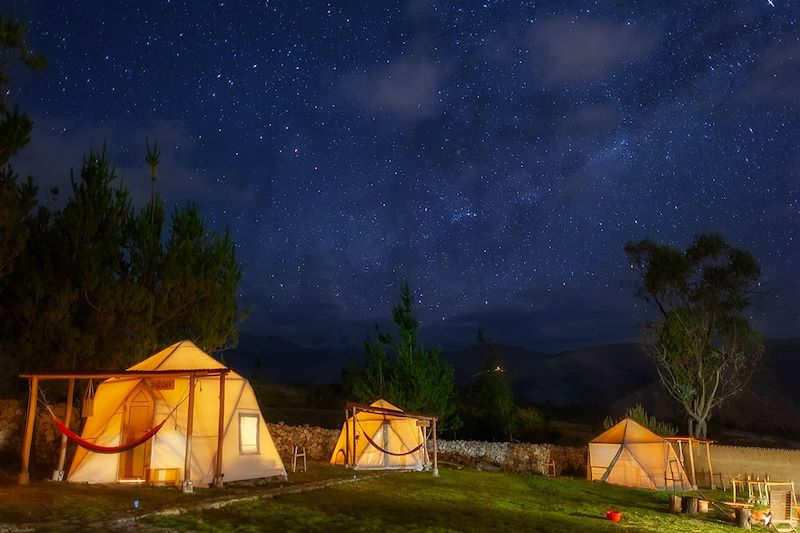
{"points": [[77, 439], [375, 444]]}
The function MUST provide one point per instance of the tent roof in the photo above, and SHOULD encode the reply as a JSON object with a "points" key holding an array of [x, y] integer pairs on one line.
{"points": [[628, 432], [383, 404], [384, 408], [183, 355]]}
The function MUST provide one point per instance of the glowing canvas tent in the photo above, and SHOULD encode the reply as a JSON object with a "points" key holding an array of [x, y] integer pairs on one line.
{"points": [[631, 455], [380, 436], [124, 407]]}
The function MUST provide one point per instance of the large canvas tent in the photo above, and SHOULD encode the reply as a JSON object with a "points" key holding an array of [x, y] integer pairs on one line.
{"points": [[631, 455], [126, 407], [381, 438]]}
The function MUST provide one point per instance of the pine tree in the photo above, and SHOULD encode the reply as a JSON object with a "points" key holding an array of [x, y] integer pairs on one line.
{"points": [[404, 373], [17, 198], [488, 403], [95, 284]]}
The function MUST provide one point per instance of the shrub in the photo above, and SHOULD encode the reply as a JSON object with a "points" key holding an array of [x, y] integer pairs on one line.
{"points": [[638, 414], [529, 424]]}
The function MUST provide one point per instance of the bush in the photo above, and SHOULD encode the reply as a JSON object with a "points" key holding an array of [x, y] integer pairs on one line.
{"points": [[638, 414], [530, 426]]}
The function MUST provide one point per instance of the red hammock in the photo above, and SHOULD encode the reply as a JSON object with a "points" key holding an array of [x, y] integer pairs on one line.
{"points": [[375, 444], [74, 437]]}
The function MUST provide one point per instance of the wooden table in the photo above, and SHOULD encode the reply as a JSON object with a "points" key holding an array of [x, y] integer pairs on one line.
{"points": [[738, 505]]}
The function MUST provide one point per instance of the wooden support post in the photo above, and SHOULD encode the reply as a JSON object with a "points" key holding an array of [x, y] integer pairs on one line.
{"points": [[187, 465], [58, 475], [355, 440], [346, 438], [426, 457], [24, 475], [220, 434], [435, 452], [691, 462], [710, 469]]}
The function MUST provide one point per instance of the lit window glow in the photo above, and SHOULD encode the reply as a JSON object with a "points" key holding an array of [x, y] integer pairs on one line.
{"points": [[248, 434]]}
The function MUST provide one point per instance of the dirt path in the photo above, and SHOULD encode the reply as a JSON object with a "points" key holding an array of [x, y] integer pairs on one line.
{"points": [[132, 522]]}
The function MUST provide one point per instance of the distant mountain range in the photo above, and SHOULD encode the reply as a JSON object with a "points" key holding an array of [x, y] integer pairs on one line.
{"points": [[283, 361], [607, 378]]}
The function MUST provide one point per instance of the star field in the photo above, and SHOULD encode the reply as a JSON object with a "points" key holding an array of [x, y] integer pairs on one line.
{"points": [[498, 155]]}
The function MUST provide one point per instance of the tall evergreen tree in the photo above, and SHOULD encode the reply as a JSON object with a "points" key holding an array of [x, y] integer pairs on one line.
{"points": [[101, 287], [488, 403], [78, 303], [401, 371], [199, 276], [17, 198], [95, 285]]}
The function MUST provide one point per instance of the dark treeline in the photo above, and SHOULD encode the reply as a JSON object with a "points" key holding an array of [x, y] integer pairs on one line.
{"points": [[99, 283]]}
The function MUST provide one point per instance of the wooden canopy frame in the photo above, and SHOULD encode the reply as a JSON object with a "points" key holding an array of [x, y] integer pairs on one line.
{"points": [[33, 383], [351, 408], [692, 442]]}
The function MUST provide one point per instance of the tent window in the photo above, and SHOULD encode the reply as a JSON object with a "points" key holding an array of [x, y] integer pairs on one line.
{"points": [[248, 434]]}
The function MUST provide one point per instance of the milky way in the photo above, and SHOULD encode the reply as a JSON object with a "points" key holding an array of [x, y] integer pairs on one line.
{"points": [[497, 155]]}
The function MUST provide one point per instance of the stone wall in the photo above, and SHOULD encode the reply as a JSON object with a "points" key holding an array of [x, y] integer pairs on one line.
{"points": [[473, 453], [11, 420], [319, 442], [513, 457], [524, 457], [46, 436], [779, 465], [570, 460]]}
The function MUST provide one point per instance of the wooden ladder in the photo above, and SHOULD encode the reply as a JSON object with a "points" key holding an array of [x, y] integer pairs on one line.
{"points": [[299, 451]]}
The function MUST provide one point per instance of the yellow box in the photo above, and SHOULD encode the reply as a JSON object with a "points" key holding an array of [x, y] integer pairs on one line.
{"points": [[164, 476]]}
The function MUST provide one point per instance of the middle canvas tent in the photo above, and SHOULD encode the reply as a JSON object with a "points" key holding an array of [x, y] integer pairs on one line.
{"points": [[381, 440]]}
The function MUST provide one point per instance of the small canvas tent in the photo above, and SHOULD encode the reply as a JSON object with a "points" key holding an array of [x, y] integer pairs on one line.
{"points": [[632, 455], [127, 407], [383, 441]]}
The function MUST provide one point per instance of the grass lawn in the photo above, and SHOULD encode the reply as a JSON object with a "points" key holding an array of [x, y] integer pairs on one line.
{"points": [[459, 500], [51, 505]]}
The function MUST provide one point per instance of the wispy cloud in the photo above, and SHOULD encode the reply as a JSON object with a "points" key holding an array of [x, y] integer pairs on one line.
{"points": [[569, 51], [778, 77], [59, 145], [405, 89]]}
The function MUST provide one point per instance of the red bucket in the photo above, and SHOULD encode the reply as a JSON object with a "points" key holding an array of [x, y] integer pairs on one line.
{"points": [[614, 516]]}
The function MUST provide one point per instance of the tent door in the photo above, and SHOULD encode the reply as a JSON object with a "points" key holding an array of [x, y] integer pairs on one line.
{"points": [[138, 420], [385, 445]]}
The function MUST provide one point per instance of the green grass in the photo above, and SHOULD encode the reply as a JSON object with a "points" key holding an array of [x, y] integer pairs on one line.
{"points": [[459, 500], [60, 505]]}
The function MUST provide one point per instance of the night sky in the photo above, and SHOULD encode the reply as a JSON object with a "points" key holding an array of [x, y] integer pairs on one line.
{"points": [[498, 155]]}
